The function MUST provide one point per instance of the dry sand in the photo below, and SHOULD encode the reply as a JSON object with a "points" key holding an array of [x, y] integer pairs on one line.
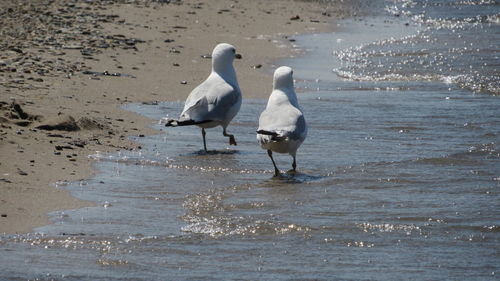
{"points": [[53, 115]]}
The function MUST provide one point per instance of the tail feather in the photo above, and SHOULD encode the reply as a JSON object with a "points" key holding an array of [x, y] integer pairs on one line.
{"points": [[274, 136], [176, 123], [268, 133]]}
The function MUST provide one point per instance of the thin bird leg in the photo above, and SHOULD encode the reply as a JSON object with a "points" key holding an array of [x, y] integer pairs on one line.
{"points": [[203, 133], [276, 171], [294, 164], [232, 141]]}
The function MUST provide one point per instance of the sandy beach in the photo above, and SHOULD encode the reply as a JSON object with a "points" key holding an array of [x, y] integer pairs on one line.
{"points": [[67, 67]]}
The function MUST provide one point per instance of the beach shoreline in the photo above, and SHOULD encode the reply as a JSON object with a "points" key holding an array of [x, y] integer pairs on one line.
{"points": [[67, 75]]}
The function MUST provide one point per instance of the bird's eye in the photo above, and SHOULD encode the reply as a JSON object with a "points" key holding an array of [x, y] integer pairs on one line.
{"points": [[234, 51]]}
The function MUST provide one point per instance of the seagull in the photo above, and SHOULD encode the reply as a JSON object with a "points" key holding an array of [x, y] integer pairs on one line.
{"points": [[282, 127], [216, 100]]}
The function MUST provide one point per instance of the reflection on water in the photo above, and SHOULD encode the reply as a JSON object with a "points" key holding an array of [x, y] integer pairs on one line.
{"points": [[457, 44], [397, 180]]}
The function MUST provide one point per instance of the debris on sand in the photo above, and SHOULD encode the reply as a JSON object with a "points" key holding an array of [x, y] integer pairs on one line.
{"points": [[61, 123]]}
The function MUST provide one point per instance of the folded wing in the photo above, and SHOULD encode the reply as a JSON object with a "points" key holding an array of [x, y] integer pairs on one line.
{"points": [[284, 122], [211, 100]]}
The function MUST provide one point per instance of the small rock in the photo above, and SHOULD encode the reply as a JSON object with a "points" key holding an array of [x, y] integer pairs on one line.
{"points": [[21, 172], [72, 47], [23, 123], [78, 143], [17, 112], [17, 50], [55, 136]]}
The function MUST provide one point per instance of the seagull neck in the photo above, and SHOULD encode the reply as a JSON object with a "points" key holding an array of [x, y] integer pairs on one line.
{"points": [[284, 95], [227, 73]]}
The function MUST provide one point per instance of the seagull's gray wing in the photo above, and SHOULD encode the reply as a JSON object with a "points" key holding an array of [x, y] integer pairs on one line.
{"points": [[285, 121], [211, 100]]}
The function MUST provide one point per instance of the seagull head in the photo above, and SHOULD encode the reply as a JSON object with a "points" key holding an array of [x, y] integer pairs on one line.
{"points": [[223, 56], [283, 78]]}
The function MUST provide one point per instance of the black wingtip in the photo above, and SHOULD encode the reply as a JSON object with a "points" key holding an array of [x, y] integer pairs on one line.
{"points": [[176, 123], [274, 136], [268, 133], [171, 123]]}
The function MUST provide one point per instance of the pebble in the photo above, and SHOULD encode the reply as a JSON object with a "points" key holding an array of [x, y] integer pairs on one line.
{"points": [[21, 172], [33, 34], [174, 51]]}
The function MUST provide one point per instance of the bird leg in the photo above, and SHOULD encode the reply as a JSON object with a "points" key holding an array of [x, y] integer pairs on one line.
{"points": [[203, 133], [232, 141], [294, 164], [276, 171]]}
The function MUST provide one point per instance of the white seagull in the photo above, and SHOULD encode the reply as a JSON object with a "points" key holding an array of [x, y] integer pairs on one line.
{"points": [[216, 100], [282, 127]]}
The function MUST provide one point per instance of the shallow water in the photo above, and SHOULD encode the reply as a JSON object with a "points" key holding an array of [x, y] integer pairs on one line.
{"points": [[396, 180]]}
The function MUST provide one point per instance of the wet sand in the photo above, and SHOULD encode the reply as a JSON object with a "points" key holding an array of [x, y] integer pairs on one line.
{"points": [[67, 68]]}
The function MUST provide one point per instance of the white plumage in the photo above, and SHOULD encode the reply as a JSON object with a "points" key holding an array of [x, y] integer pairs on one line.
{"points": [[282, 127], [217, 100]]}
